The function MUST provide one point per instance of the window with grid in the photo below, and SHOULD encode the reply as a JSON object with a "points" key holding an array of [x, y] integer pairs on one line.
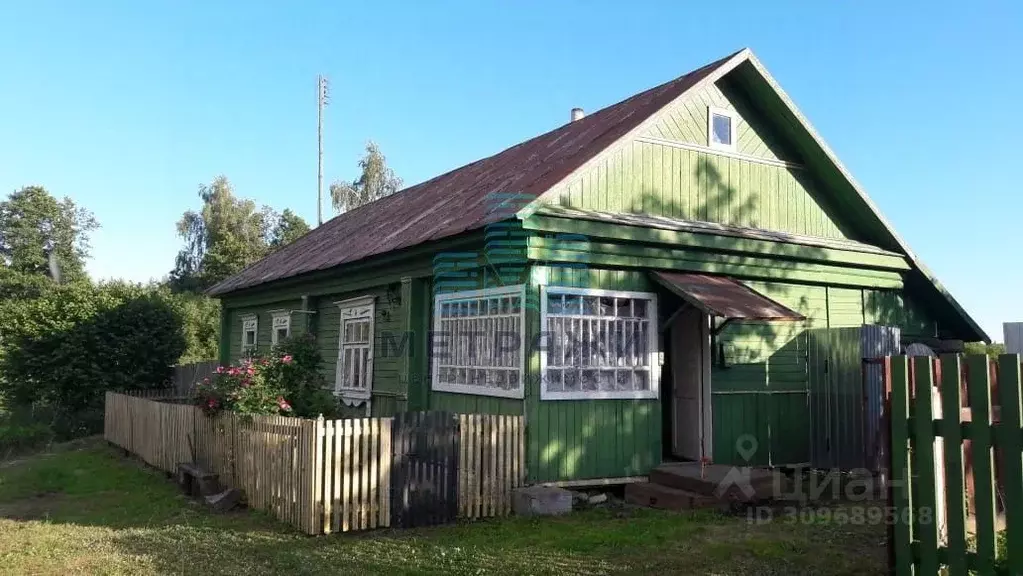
{"points": [[250, 329], [599, 344], [478, 342], [354, 379], [281, 327]]}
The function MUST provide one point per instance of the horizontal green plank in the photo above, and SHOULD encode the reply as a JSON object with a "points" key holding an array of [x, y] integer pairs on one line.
{"points": [[837, 277], [762, 259], [710, 242]]}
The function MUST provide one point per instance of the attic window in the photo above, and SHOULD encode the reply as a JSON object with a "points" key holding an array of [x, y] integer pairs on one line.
{"points": [[720, 128]]}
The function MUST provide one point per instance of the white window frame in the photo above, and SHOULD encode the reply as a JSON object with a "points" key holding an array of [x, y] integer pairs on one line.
{"points": [[653, 345], [279, 319], [250, 323], [733, 120], [458, 388], [355, 308]]}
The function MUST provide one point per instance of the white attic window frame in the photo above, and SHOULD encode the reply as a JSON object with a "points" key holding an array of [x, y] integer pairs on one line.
{"points": [[733, 125]]}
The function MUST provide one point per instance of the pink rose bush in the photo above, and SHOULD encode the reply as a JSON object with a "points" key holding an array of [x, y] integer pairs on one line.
{"points": [[285, 381], [250, 387]]}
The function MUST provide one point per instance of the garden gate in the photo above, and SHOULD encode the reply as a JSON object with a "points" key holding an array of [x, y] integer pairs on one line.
{"points": [[424, 474]]}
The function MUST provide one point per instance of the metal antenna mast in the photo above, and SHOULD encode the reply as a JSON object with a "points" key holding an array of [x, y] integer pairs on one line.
{"points": [[322, 99]]}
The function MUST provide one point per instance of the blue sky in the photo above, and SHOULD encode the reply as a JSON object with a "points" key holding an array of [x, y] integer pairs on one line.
{"points": [[127, 107]]}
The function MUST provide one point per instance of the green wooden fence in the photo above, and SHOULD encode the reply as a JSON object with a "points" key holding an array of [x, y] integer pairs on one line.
{"points": [[933, 528]]}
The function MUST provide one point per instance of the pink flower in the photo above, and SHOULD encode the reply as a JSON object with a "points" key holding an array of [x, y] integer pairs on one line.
{"points": [[283, 404], [205, 380], [251, 371], [286, 359], [246, 382], [220, 369], [212, 403], [233, 371]]}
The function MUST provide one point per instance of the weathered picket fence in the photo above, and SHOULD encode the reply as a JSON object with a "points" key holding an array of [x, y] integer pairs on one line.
{"points": [[325, 476], [930, 524]]}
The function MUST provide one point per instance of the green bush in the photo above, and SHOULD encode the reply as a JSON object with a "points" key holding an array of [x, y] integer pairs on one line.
{"points": [[62, 349], [17, 437]]}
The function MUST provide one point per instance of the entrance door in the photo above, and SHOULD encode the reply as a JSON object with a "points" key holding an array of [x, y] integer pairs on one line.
{"points": [[689, 349]]}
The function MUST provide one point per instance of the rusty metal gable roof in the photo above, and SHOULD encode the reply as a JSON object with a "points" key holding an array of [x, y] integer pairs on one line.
{"points": [[464, 199]]}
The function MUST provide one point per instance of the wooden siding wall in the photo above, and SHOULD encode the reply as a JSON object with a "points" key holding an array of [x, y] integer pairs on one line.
{"points": [[388, 388], [768, 365], [264, 325], [651, 176], [687, 122], [388, 330], [580, 439]]}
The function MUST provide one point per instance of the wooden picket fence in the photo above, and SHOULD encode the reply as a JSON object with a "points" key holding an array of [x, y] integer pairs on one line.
{"points": [[320, 476], [930, 421]]}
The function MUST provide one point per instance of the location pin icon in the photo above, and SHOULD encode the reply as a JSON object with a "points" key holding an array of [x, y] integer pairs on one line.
{"points": [[746, 445]]}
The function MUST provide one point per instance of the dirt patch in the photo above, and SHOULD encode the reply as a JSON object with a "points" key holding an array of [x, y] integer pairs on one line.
{"points": [[38, 507]]}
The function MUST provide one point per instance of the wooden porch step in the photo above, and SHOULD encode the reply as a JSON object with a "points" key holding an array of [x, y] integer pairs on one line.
{"points": [[658, 496], [715, 480]]}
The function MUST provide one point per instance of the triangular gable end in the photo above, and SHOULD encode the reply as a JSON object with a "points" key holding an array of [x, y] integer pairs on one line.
{"points": [[679, 120]]}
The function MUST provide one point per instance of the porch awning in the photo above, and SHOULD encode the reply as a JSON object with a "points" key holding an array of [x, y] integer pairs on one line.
{"points": [[723, 296]]}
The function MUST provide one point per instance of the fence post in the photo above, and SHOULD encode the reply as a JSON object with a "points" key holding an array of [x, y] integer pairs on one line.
{"points": [[316, 505], [901, 472], [1011, 445], [923, 417], [979, 389], [955, 488]]}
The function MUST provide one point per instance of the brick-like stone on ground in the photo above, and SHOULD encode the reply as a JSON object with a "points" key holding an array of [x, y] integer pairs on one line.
{"points": [[541, 501]]}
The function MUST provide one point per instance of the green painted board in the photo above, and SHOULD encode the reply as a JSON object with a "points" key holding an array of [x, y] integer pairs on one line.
{"points": [[979, 375], [1010, 443], [955, 487]]}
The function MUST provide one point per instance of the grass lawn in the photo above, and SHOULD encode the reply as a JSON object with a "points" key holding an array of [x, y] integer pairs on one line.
{"points": [[87, 509]]}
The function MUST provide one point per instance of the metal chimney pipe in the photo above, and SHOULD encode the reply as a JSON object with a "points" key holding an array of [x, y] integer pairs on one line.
{"points": [[577, 114]]}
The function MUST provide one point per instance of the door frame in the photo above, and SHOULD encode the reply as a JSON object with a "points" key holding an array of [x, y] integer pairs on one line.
{"points": [[704, 426]]}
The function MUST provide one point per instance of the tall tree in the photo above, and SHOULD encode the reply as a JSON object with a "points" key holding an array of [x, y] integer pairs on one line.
{"points": [[43, 236], [289, 227], [227, 234], [376, 181]]}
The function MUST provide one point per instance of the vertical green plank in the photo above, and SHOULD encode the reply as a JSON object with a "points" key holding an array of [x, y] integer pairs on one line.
{"points": [[1011, 445], [901, 472], [955, 489], [926, 506], [979, 388], [224, 352]]}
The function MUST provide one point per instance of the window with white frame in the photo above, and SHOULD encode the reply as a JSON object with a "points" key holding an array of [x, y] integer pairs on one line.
{"points": [[354, 377], [281, 326], [598, 344], [721, 125], [250, 330], [478, 342]]}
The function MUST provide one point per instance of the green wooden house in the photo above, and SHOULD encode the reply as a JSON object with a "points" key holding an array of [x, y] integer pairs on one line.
{"points": [[665, 278]]}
